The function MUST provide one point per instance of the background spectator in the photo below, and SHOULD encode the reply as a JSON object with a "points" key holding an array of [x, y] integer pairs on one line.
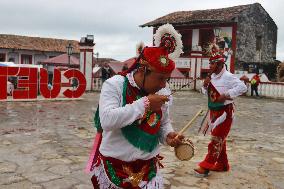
{"points": [[106, 72], [255, 80]]}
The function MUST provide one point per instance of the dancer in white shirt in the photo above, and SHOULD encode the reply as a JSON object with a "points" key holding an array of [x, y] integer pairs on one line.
{"points": [[221, 88], [134, 118]]}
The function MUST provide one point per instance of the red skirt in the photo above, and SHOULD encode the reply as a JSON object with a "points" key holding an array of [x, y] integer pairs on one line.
{"points": [[217, 154]]}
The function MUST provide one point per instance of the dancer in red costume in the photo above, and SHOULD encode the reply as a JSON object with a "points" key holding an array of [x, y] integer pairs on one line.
{"points": [[221, 87]]}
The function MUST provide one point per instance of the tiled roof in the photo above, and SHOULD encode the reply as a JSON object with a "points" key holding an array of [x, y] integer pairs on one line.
{"points": [[103, 60], [201, 16], [129, 61], [36, 43], [116, 66], [62, 60]]}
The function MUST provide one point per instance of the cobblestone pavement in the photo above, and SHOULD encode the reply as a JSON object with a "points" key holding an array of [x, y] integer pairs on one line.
{"points": [[46, 144]]}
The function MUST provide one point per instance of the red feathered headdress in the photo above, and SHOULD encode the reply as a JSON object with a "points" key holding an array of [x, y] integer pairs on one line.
{"points": [[217, 58], [168, 46], [216, 55]]}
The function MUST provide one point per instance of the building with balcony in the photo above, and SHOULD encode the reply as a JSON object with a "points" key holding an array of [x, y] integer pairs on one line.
{"points": [[246, 33]]}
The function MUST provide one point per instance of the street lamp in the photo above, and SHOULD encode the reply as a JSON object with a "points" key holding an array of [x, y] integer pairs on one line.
{"points": [[69, 50]]}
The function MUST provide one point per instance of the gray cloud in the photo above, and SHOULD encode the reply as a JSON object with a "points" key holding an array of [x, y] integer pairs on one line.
{"points": [[113, 23]]}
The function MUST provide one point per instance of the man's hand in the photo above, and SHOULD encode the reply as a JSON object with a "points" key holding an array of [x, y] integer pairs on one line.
{"points": [[206, 82], [156, 101], [174, 141]]}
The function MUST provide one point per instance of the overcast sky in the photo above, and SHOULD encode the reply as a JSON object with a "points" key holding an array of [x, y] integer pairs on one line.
{"points": [[114, 23]]}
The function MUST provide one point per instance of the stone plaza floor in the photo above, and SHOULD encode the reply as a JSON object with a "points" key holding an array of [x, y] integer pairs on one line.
{"points": [[46, 144]]}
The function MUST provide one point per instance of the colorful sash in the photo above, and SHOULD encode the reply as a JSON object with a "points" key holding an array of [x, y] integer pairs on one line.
{"points": [[96, 144], [213, 95], [142, 133]]}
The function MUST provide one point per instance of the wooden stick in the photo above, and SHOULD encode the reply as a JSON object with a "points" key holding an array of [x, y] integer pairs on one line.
{"points": [[174, 91], [189, 123], [203, 120]]}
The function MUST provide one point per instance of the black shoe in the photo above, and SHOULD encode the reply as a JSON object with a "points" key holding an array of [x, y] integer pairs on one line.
{"points": [[200, 174]]}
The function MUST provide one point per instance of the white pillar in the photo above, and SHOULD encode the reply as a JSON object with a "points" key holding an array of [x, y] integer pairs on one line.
{"points": [[86, 61]]}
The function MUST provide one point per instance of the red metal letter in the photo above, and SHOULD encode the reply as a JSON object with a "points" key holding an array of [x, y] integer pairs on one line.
{"points": [[28, 85], [3, 82], [73, 73], [56, 85]]}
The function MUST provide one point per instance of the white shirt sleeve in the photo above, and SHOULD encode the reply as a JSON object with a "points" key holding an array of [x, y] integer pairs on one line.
{"points": [[112, 115], [235, 85], [166, 125]]}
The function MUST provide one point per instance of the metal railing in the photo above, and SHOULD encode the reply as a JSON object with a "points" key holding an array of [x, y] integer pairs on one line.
{"points": [[266, 89], [269, 89], [174, 83]]}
